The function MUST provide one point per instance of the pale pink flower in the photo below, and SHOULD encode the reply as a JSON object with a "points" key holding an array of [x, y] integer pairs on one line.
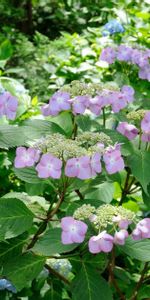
{"points": [[49, 166], [73, 231], [103, 242]]}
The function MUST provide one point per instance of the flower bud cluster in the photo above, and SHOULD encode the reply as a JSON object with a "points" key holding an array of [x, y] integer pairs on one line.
{"points": [[131, 55], [105, 220], [79, 97]]}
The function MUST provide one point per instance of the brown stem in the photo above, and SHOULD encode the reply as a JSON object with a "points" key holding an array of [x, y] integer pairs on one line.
{"points": [[135, 292], [50, 214], [79, 194], [40, 230], [125, 189], [112, 279], [55, 273]]}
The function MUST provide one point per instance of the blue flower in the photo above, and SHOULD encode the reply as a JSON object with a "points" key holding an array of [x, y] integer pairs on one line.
{"points": [[112, 27], [6, 284]]}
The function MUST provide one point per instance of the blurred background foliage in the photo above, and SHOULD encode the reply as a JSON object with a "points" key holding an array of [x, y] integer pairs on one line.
{"points": [[47, 43]]}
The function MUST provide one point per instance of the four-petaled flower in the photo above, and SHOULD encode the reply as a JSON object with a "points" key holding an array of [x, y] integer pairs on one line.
{"points": [[103, 242], [120, 237], [73, 231], [58, 102], [8, 105], [78, 167], [49, 166], [108, 54], [113, 160], [96, 164], [79, 104], [26, 157], [142, 230], [128, 130]]}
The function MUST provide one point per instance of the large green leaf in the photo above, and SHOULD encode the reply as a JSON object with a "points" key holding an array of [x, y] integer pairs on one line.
{"points": [[89, 285], [139, 163], [23, 269], [137, 249], [104, 192], [11, 136], [28, 175], [64, 120], [15, 218], [11, 248], [5, 50], [35, 129], [50, 243]]}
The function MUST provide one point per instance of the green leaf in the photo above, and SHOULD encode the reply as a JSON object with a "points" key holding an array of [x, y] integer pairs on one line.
{"points": [[11, 136], [50, 243], [5, 50], [146, 196], [15, 218], [93, 285], [23, 269], [104, 192], [139, 163], [137, 249], [64, 120], [28, 175], [35, 129], [10, 249]]}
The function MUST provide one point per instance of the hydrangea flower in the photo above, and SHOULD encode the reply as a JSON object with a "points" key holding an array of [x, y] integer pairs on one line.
{"points": [[78, 167], [128, 130], [145, 137], [122, 223], [58, 102], [112, 27], [108, 54], [49, 166], [142, 230], [120, 237], [124, 53], [7, 285], [113, 160], [73, 231], [79, 104], [103, 242], [144, 73], [145, 123], [139, 58], [96, 164], [8, 105], [96, 104], [26, 157], [119, 100]]}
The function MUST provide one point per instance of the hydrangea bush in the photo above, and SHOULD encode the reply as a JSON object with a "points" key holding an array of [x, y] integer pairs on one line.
{"points": [[81, 227]]}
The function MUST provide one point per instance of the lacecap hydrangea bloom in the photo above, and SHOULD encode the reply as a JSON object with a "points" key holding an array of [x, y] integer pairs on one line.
{"points": [[8, 105]]}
